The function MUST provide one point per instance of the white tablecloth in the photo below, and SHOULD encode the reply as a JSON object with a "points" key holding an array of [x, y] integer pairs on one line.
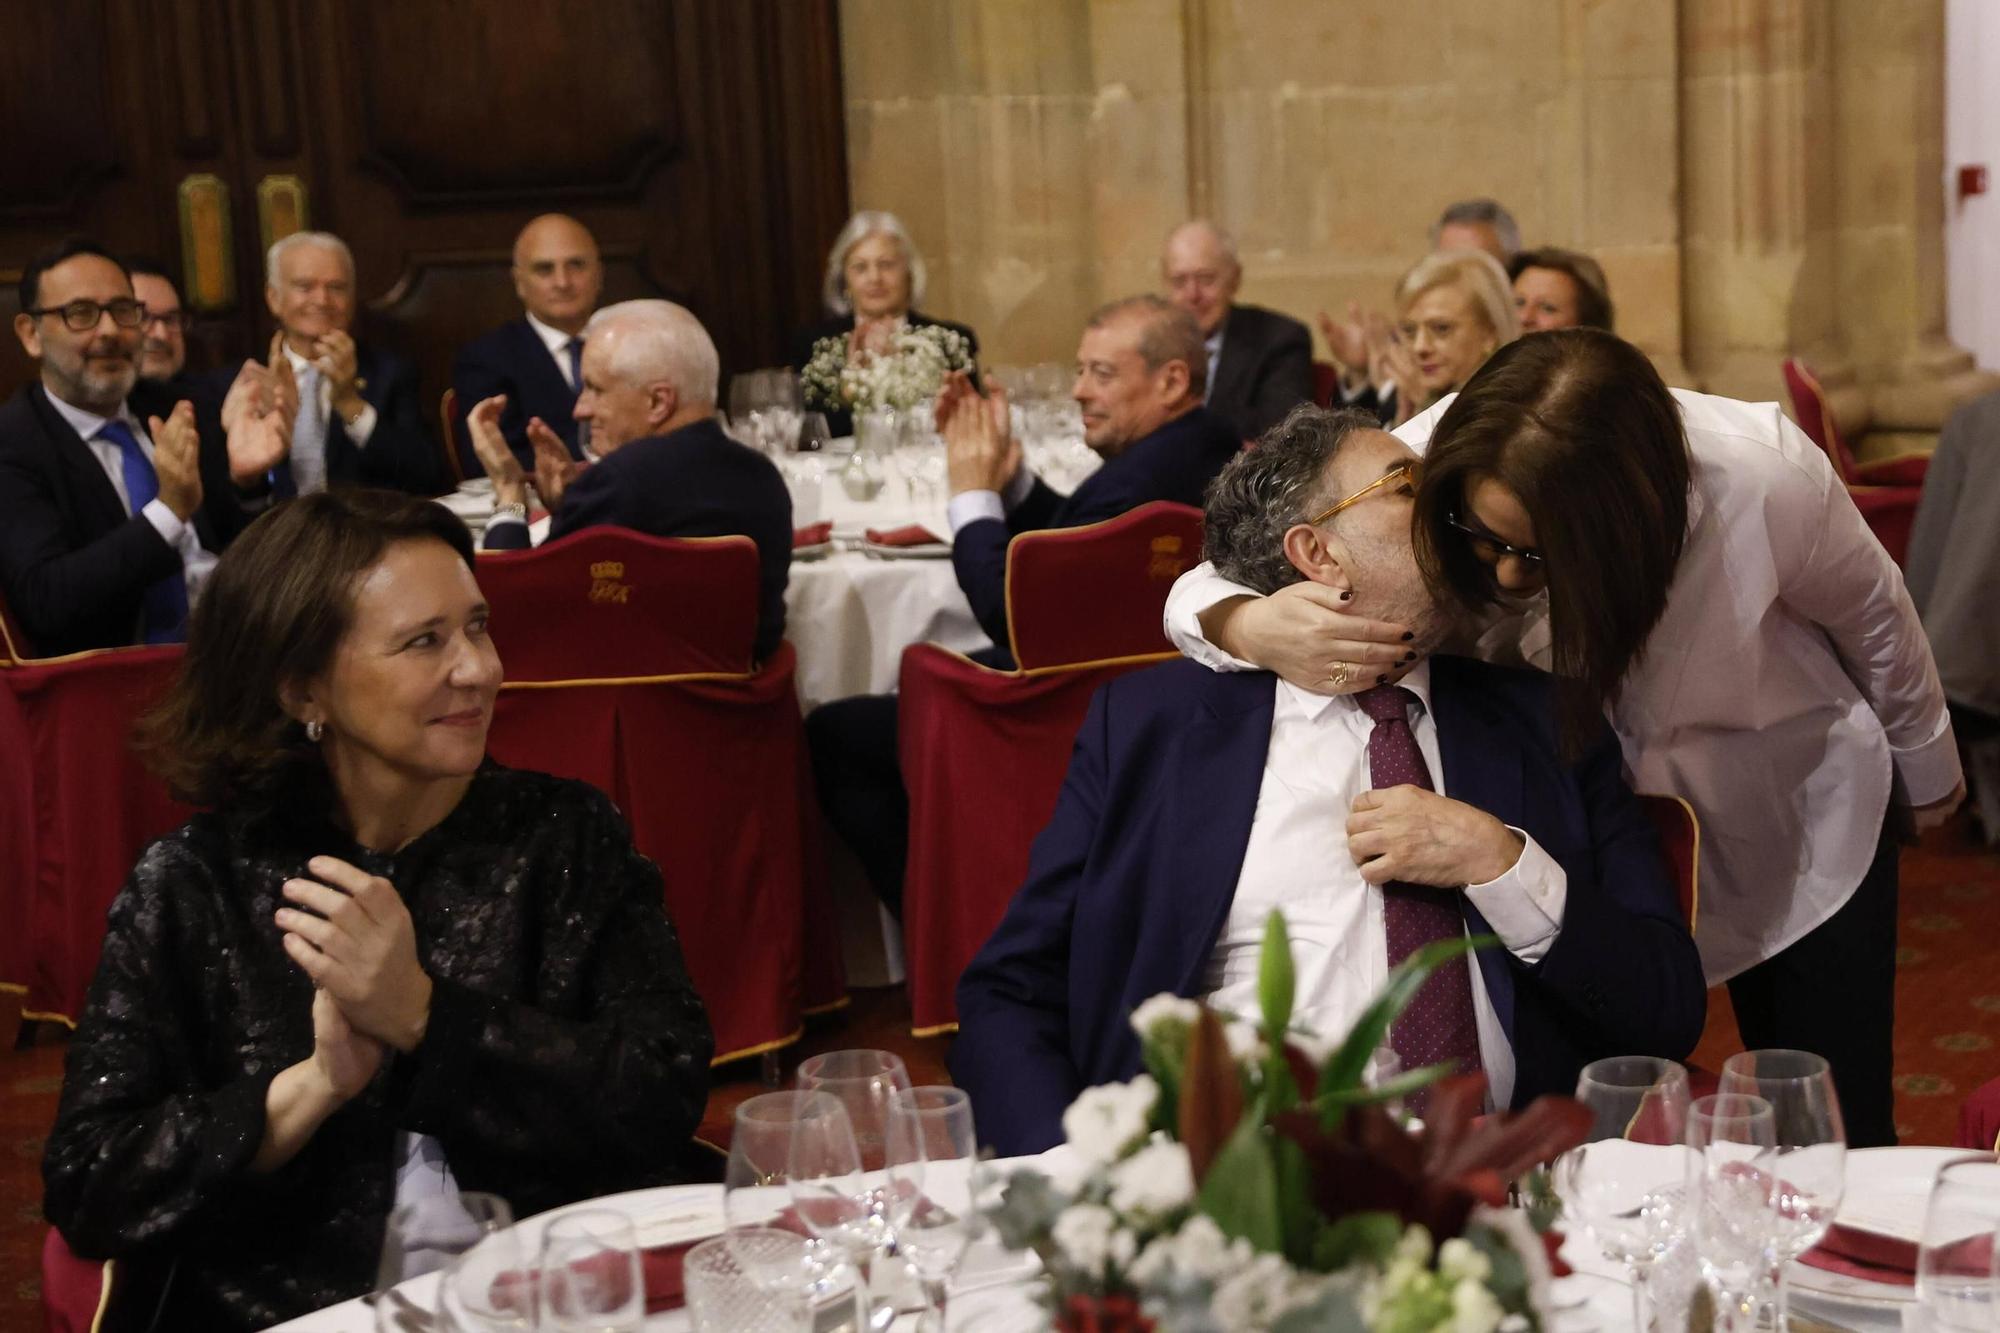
{"points": [[848, 615]]}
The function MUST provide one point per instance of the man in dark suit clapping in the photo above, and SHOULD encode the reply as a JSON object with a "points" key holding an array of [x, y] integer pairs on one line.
{"points": [[535, 360], [1259, 361], [665, 466]]}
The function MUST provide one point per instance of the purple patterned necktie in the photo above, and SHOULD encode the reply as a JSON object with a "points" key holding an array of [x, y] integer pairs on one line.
{"points": [[1439, 1024]]}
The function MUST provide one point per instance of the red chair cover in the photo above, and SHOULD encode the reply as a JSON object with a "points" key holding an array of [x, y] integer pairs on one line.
{"points": [[1326, 383], [1890, 512], [1680, 837], [75, 1292], [1979, 1119], [983, 755], [78, 809], [1094, 593], [1816, 419], [628, 667], [454, 466]]}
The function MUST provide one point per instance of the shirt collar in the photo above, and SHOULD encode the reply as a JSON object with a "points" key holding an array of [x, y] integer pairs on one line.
{"points": [[86, 424], [552, 338], [1417, 682]]}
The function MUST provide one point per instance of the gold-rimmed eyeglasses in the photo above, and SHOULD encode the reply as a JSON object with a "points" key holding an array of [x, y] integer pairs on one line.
{"points": [[1403, 474]]}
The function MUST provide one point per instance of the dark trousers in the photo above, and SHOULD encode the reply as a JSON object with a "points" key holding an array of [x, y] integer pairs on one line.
{"points": [[860, 780], [1834, 993]]}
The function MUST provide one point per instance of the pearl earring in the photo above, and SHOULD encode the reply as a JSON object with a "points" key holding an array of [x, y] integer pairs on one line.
{"points": [[314, 730]]}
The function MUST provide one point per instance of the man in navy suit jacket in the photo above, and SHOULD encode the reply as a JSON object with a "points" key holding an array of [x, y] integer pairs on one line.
{"points": [[1259, 361], [535, 360], [1196, 802], [666, 468], [1140, 372]]}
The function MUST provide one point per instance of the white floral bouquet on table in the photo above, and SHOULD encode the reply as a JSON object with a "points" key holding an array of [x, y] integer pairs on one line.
{"points": [[1240, 1185], [911, 370]]}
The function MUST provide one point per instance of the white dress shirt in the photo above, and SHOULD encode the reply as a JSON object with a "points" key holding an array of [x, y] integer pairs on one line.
{"points": [[558, 344], [363, 424], [1297, 861], [196, 559], [1787, 692], [971, 506]]}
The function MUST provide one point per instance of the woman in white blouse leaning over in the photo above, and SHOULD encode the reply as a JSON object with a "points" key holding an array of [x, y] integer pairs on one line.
{"points": [[1691, 566]]}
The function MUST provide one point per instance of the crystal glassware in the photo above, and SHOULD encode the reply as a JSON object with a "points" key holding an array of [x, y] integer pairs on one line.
{"points": [[933, 1154], [1732, 1193], [1958, 1258], [1811, 1147]]}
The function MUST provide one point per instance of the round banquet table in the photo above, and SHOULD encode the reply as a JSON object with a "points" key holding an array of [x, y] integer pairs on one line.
{"points": [[849, 613]]}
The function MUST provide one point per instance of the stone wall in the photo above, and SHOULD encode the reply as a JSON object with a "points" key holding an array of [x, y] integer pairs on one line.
{"points": [[1757, 176]]}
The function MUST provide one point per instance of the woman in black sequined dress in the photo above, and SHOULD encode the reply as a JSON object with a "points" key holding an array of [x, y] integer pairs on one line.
{"points": [[376, 965]]}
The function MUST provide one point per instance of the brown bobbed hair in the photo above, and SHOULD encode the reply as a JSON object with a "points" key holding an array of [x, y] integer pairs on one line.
{"points": [[1580, 427], [273, 611], [1593, 293]]}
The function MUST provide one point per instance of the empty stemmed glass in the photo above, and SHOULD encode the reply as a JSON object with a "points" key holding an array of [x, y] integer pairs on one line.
{"points": [[1623, 1184], [1732, 1193], [866, 1083], [471, 1237], [1811, 1143], [757, 1198], [591, 1276], [933, 1160], [1958, 1259]]}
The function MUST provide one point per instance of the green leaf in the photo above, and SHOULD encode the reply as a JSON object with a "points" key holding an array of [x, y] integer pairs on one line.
{"points": [[1335, 1310], [1400, 1086], [1357, 1238], [1165, 1060], [1509, 1281], [1298, 1216], [1275, 979], [1240, 1193], [1344, 1067]]}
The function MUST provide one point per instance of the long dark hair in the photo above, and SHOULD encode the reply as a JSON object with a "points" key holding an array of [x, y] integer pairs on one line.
{"points": [[1578, 425], [273, 612]]}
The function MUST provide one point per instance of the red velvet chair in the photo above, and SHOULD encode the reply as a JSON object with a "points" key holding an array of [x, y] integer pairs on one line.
{"points": [[628, 666], [76, 1293], [76, 807], [984, 752], [448, 436], [1886, 492], [1680, 838], [1326, 383], [1979, 1119]]}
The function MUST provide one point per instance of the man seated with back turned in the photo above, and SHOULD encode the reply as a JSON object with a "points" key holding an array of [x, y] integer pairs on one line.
{"points": [[665, 466], [1139, 375], [536, 360], [1259, 361], [1432, 804]]}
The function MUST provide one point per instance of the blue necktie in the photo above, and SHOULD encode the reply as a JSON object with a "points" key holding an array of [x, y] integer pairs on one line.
{"points": [[164, 619], [575, 367]]}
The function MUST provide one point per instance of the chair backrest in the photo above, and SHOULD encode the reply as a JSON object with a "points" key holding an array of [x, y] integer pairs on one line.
{"points": [[14, 645], [76, 1293], [1326, 383], [1680, 837], [612, 604], [448, 433], [1815, 417], [1096, 593]]}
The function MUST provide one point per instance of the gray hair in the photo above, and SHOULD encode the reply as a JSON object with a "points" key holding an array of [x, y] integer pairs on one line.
{"points": [[299, 240], [1263, 492], [866, 223], [654, 340], [1169, 334], [1475, 272], [1223, 240], [1472, 212]]}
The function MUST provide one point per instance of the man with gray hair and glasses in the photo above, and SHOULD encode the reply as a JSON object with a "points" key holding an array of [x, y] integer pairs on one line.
{"points": [[1477, 224], [664, 465]]}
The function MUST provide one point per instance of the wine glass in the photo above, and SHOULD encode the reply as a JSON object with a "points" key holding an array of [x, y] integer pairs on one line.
{"points": [[865, 1082], [745, 405], [434, 1233], [846, 1202], [1958, 1259], [591, 1277], [931, 1139], [1623, 1183], [755, 1190], [1811, 1143], [1732, 1193]]}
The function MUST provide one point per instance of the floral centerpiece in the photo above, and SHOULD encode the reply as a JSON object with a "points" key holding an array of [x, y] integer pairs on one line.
{"points": [[1242, 1184], [909, 370]]}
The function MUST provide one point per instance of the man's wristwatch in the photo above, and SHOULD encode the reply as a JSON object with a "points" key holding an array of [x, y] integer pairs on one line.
{"points": [[517, 511]]}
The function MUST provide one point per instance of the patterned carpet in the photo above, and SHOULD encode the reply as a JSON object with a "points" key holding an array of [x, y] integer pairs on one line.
{"points": [[1947, 1029]]}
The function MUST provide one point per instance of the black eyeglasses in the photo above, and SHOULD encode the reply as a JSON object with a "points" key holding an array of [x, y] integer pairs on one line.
{"points": [[82, 316], [1491, 549]]}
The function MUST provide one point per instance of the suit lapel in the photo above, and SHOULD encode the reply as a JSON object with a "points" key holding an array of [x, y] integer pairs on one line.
{"points": [[94, 490], [1482, 767], [540, 365], [1215, 800]]}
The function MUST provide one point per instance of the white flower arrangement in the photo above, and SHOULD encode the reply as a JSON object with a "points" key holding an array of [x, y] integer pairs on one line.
{"points": [[1223, 1193], [910, 371]]}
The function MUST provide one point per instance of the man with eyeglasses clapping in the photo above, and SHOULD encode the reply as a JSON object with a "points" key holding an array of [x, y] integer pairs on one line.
{"points": [[103, 536]]}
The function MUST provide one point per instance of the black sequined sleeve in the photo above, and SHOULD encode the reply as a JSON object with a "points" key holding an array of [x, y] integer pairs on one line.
{"points": [[601, 1099], [141, 1146]]}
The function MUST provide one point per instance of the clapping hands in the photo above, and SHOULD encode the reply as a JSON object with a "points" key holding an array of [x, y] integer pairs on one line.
{"points": [[981, 453]]}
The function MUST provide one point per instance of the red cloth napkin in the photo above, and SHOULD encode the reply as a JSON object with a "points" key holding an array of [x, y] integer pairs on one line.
{"points": [[812, 535], [1868, 1255], [910, 534], [662, 1270]]}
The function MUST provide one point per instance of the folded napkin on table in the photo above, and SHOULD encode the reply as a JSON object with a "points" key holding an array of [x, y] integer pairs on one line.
{"points": [[1868, 1255], [813, 534], [910, 534]]}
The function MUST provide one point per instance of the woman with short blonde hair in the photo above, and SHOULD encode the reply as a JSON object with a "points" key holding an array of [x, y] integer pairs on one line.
{"points": [[1454, 309]]}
